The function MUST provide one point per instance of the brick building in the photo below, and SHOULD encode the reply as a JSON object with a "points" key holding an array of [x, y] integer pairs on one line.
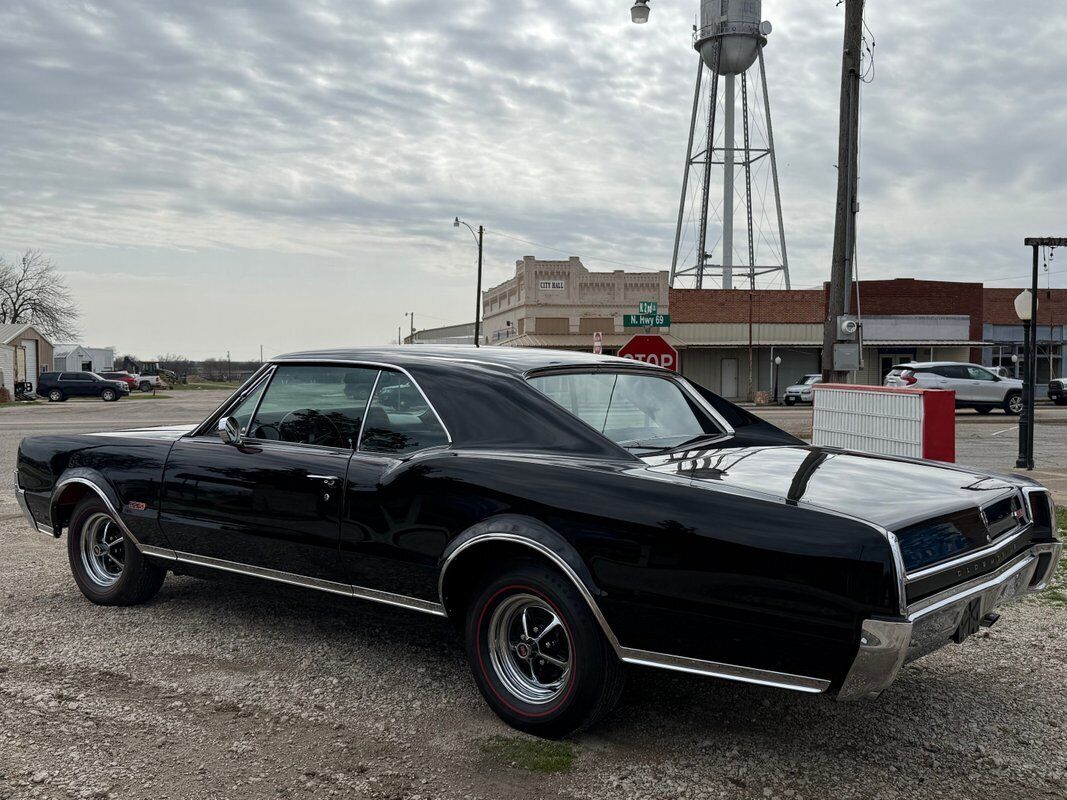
{"points": [[732, 338]]}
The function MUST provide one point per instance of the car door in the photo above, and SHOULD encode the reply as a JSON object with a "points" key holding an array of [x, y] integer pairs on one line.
{"points": [[273, 501], [76, 384], [959, 381], [986, 386], [394, 528]]}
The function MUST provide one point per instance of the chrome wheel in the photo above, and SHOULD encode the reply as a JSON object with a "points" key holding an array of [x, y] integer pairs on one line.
{"points": [[530, 649], [103, 550], [1015, 404]]}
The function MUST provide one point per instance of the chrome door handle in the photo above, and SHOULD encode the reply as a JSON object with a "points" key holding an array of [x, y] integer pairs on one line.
{"points": [[329, 480]]}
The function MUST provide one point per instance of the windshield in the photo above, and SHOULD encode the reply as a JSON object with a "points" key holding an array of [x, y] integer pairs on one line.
{"points": [[811, 379], [646, 412]]}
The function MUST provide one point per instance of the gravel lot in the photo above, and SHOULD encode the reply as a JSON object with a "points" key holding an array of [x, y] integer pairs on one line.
{"points": [[238, 689]]}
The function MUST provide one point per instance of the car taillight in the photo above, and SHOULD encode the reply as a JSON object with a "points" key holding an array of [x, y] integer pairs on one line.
{"points": [[908, 378]]}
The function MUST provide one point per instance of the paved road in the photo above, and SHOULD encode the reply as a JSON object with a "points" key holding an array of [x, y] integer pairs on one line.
{"points": [[225, 689]]}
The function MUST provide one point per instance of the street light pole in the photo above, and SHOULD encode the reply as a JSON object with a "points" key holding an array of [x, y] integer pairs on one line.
{"points": [[479, 237], [1026, 308]]}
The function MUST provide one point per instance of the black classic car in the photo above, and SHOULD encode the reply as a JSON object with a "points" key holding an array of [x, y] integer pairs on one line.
{"points": [[569, 513]]}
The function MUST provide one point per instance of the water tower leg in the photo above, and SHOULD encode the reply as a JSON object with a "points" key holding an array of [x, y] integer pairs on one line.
{"points": [[728, 185], [774, 171], [748, 183], [688, 169], [705, 196]]}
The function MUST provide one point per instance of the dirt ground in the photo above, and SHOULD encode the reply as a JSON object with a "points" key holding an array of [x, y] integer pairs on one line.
{"points": [[237, 689]]}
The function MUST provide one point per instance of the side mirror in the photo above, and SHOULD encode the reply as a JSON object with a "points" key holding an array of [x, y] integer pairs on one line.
{"points": [[230, 430]]}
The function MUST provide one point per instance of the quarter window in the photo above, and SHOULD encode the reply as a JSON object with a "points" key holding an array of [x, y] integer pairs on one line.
{"points": [[399, 419], [313, 405]]}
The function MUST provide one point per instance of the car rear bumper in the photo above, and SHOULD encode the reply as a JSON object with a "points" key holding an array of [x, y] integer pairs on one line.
{"points": [[20, 497], [931, 623]]}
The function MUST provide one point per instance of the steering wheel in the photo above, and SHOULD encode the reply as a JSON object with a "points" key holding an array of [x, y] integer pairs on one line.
{"points": [[308, 426]]}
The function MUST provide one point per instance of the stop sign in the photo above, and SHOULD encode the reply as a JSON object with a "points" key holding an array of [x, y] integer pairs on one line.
{"points": [[651, 349]]}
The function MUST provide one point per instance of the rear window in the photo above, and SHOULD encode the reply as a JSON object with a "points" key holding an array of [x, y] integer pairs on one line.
{"points": [[633, 410]]}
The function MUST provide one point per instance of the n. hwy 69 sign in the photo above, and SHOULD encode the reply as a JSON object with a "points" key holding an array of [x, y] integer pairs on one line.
{"points": [[651, 349]]}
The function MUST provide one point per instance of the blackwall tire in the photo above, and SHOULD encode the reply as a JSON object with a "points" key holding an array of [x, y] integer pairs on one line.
{"points": [[790, 401], [534, 694], [55, 396], [107, 567], [145, 386], [109, 395]]}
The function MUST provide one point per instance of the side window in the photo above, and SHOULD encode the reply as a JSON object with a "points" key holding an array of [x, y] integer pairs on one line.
{"points": [[315, 405], [399, 419], [979, 374], [956, 373]]}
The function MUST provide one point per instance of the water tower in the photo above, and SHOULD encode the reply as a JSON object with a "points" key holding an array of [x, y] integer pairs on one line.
{"points": [[730, 39]]}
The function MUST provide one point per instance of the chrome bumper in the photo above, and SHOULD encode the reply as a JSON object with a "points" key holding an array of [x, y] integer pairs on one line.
{"points": [[20, 496], [885, 646]]}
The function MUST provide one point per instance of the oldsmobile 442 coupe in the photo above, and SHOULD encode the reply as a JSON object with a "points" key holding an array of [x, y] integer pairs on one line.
{"points": [[571, 514]]}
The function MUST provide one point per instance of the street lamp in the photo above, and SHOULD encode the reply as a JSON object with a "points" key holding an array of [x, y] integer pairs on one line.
{"points": [[639, 13], [777, 369], [1025, 308], [479, 237]]}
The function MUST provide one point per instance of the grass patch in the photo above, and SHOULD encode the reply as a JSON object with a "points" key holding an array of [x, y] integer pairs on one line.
{"points": [[532, 755]]}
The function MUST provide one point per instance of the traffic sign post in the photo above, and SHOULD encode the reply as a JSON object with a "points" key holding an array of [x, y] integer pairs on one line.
{"points": [[649, 348]]}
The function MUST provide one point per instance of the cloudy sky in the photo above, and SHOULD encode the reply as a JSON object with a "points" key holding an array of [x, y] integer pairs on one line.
{"points": [[218, 176]]}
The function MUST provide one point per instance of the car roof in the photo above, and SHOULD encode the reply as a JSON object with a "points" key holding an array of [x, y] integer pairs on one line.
{"points": [[928, 364], [514, 359]]}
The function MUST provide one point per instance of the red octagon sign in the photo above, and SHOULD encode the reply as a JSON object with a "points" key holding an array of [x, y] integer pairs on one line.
{"points": [[651, 349]]}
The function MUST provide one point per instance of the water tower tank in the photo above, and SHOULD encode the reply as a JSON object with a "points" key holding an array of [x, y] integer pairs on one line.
{"points": [[733, 25]]}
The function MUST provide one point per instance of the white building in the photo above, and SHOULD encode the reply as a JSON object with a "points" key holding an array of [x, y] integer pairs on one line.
{"points": [[78, 358]]}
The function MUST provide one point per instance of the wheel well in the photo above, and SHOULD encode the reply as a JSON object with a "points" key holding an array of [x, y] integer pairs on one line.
{"points": [[63, 506], [461, 578]]}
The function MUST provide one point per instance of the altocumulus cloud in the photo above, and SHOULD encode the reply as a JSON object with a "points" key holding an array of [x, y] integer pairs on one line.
{"points": [[335, 140]]}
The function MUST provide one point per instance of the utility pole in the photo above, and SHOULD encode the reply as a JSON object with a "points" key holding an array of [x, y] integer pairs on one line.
{"points": [[847, 188], [478, 300]]}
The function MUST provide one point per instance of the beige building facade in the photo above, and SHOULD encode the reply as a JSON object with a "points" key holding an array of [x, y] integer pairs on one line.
{"points": [[562, 304]]}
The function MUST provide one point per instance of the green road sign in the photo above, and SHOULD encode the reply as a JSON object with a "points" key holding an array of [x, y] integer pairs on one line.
{"points": [[646, 321], [648, 307]]}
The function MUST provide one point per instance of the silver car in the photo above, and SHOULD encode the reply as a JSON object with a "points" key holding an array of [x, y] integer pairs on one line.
{"points": [[802, 392], [975, 386]]}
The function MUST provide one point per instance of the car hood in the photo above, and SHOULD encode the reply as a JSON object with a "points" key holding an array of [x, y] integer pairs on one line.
{"points": [[166, 432], [799, 387], [891, 492]]}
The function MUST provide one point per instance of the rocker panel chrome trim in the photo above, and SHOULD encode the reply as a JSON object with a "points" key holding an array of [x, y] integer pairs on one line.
{"points": [[714, 669], [293, 579]]}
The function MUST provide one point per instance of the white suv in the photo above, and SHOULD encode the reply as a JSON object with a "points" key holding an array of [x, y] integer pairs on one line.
{"points": [[975, 387]]}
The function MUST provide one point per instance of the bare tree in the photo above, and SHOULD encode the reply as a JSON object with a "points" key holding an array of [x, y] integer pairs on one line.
{"points": [[33, 291]]}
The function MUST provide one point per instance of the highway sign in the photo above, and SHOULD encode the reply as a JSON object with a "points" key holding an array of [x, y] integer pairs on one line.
{"points": [[646, 320]]}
